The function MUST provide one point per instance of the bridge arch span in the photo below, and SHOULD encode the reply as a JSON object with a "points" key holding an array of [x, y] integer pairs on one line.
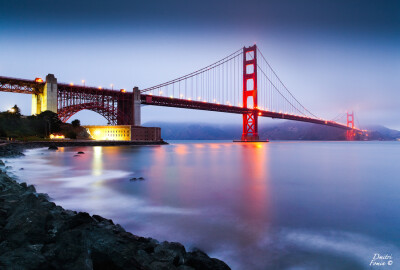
{"points": [[110, 113]]}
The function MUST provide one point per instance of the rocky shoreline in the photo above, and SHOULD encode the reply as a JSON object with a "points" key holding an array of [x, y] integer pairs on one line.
{"points": [[35, 233]]}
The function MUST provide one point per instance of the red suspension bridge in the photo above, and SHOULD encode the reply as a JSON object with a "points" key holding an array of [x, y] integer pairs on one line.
{"points": [[241, 83]]}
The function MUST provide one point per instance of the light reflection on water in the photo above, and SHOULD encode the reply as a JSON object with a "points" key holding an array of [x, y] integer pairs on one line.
{"points": [[278, 205]]}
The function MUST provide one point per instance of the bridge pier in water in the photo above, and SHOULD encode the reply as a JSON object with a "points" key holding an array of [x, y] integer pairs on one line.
{"points": [[45, 99]]}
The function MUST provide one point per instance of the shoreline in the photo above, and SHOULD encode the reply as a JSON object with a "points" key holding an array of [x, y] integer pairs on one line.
{"points": [[35, 233]]}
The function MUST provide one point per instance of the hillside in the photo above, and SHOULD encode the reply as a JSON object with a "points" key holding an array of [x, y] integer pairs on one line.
{"points": [[289, 130]]}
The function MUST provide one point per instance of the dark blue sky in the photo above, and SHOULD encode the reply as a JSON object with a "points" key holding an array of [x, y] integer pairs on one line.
{"points": [[333, 55]]}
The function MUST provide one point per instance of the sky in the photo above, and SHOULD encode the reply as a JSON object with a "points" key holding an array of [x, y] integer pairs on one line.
{"points": [[334, 56]]}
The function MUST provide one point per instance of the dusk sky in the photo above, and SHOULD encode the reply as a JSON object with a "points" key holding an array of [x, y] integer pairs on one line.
{"points": [[333, 55]]}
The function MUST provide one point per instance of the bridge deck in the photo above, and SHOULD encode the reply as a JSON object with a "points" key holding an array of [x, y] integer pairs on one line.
{"points": [[31, 86], [22, 86], [199, 105]]}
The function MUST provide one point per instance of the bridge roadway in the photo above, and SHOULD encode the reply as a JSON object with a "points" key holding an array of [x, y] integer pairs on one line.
{"points": [[23, 86], [200, 105]]}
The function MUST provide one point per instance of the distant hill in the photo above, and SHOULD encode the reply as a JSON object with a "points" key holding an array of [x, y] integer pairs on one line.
{"points": [[289, 130]]}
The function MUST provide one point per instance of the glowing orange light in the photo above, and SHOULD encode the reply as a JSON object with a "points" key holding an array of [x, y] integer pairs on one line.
{"points": [[123, 91], [99, 87], [56, 136], [38, 80], [189, 99], [259, 113]]}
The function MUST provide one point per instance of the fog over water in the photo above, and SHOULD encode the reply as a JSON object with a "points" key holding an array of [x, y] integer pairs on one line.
{"points": [[277, 205]]}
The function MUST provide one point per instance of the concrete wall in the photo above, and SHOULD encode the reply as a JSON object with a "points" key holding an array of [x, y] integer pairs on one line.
{"points": [[110, 133], [36, 104], [146, 134], [124, 133], [136, 107], [48, 99]]}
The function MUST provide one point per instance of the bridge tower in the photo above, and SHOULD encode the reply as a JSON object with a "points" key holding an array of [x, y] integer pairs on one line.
{"points": [[350, 123], [129, 105], [46, 100], [250, 119]]}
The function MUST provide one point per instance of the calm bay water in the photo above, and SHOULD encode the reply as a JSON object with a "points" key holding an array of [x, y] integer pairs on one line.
{"points": [[277, 205]]}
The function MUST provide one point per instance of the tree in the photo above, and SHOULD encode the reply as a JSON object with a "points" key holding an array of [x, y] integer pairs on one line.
{"points": [[54, 123], [76, 123], [15, 111], [71, 134]]}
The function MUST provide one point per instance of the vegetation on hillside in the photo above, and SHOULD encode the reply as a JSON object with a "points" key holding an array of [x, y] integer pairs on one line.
{"points": [[14, 125]]}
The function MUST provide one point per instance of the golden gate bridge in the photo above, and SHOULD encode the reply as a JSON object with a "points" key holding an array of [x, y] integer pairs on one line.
{"points": [[241, 83]]}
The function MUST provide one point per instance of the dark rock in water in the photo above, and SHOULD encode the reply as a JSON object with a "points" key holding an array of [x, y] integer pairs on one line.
{"points": [[21, 169], [136, 178], [80, 152], [53, 147], [2, 163], [76, 155]]}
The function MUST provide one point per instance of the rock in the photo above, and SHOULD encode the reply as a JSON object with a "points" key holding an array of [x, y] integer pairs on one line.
{"points": [[170, 252], [82, 218], [101, 219], [53, 147], [200, 260], [2, 163], [136, 178], [80, 152], [76, 155], [21, 169]]}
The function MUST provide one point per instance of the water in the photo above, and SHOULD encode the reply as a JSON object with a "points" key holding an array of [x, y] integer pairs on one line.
{"points": [[277, 205]]}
